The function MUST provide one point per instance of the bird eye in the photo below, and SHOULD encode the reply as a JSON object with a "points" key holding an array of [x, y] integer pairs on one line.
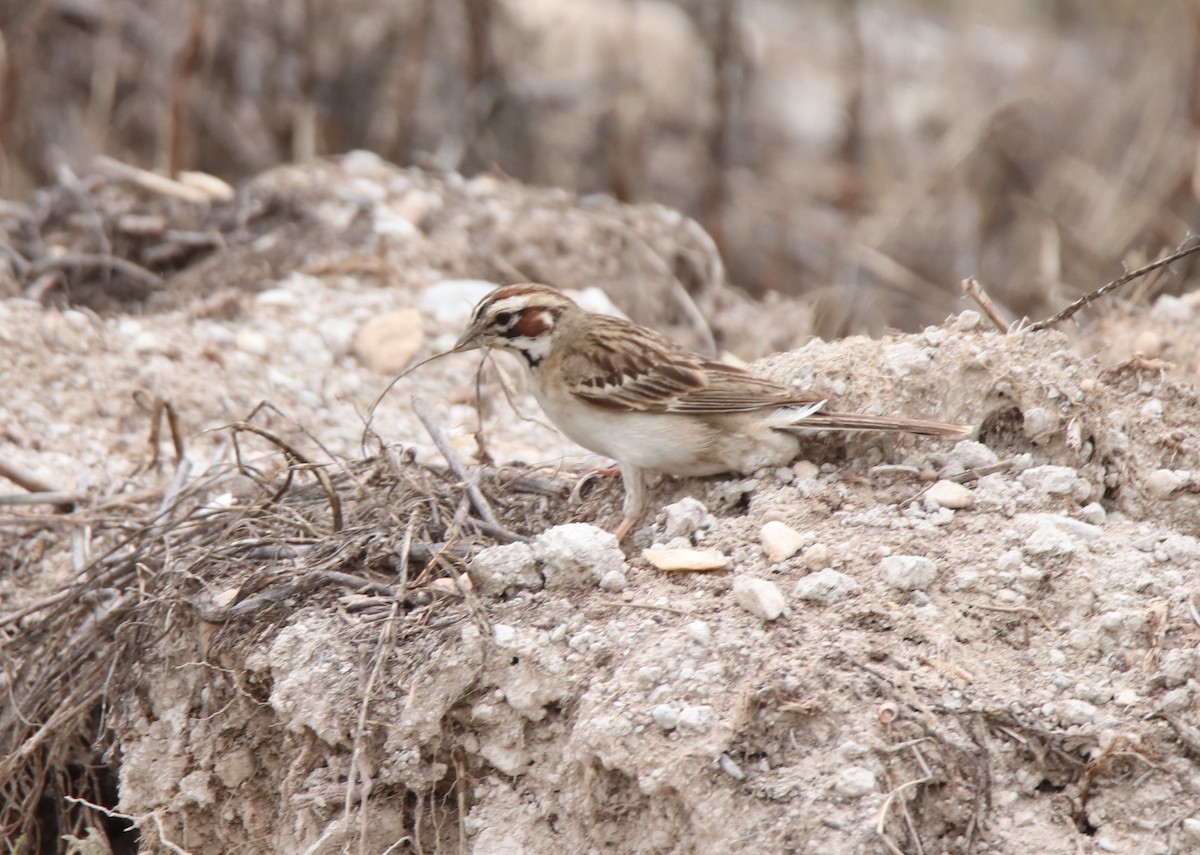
{"points": [[503, 318]]}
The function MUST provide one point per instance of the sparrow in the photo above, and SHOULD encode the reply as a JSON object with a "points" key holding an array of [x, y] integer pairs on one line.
{"points": [[629, 393]]}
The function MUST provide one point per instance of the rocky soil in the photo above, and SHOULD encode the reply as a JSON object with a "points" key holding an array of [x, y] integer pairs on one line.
{"points": [[898, 644]]}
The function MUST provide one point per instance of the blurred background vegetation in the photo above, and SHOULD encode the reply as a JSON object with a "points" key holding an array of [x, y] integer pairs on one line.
{"points": [[864, 155]]}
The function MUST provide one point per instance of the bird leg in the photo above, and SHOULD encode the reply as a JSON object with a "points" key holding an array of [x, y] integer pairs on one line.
{"points": [[635, 499]]}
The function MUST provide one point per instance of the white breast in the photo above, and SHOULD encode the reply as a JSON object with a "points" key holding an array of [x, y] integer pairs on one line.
{"points": [[667, 442]]}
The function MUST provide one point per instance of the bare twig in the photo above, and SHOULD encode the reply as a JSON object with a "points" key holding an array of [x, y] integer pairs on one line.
{"points": [[88, 260], [881, 821], [335, 502], [63, 499], [24, 478], [478, 500], [1183, 251], [973, 288]]}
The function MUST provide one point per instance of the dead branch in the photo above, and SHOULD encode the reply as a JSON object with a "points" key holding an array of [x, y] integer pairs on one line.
{"points": [[1183, 251]]}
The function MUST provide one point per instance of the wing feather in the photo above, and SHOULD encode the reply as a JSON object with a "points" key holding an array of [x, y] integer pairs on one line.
{"points": [[618, 366]]}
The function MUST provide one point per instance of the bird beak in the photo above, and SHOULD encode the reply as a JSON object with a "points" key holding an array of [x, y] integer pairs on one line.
{"points": [[469, 340]]}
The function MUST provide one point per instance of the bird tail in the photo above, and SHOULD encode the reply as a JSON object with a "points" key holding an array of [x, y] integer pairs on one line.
{"points": [[825, 420]]}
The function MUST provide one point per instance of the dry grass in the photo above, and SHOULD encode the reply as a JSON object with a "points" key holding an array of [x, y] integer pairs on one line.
{"points": [[233, 552]]}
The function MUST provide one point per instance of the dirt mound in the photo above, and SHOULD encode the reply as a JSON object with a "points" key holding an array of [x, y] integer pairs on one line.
{"points": [[306, 634]]}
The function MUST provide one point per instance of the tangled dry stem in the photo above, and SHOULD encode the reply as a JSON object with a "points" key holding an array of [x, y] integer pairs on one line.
{"points": [[236, 549]]}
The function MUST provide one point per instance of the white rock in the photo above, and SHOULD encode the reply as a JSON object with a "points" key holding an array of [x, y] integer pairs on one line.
{"points": [[780, 541], [682, 560], [1094, 514], [805, 470], [1162, 483], [1176, 700], [1037, 422], [1178, 665], [1191, 827], [699, 632], [1074, 711], [1048, 539], [817, 556], [759, 597], [1076, 528], [613, 581], [665, 717], [730, 768], [696, 718], [500, 568], [969, 454], [1052, 480], [854, 782], [388, 342], [903, 358], [1181, 549], [967, 320], [950, 494], [1127, 698], [685, 517], [577, 555], [504, 635], [825, 587], [908, 572], [252, 341]]}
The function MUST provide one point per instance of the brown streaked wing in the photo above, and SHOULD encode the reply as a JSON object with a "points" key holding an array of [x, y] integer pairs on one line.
{"points": [[620, 366]]}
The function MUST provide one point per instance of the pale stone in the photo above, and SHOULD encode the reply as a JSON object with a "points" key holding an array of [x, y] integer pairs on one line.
{"points": [[825, 587], [577, 555], [1162, 483], [908, 572], [780, 541], [388, 342], [759, 597], [679, 560], [817, 557], [951, 494]]}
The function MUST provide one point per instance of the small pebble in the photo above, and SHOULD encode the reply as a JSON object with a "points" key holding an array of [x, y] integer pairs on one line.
{"points": [[967, 320], [730, 768], [388, 342], [1127, 698], [685, 517], [252, 341], [780, 541], [817, 557], [1075, 711], [908, 572], [969, 454], [760, 597], [805, 470], [1176, 700], [696, 718], [497, 569], [1047, 539], [1191, 827], [854, 782], [1162, 483], [699, 632], [825, 587], [665, 717], [1093, 513], [1052, 480], [683, 560], [950, 494], [613, 581], [577, 555]]}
